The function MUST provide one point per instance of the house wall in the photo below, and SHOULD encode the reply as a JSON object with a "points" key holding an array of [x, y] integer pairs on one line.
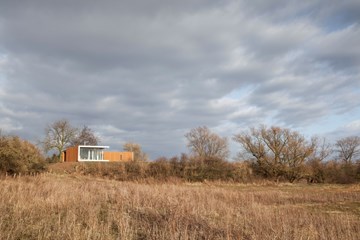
{"points": [[71, 154], [119, 156]]}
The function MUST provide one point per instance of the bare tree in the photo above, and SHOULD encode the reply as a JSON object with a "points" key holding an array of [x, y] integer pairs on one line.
{"points": [[58, 136], [85, 137], [139, 155], [315, 164], [323, 149], [205, 144], [348, 148], [276, 152]]}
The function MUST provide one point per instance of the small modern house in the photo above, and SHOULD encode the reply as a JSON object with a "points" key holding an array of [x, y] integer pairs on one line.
{"points": [[84, 153]]}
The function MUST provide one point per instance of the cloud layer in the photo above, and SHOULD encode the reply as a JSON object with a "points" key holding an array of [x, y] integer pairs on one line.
{"points": [[150, 71]]}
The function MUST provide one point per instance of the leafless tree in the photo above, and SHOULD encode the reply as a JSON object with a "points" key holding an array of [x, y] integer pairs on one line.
{"points": [[205, 144], [277, 152], [323, 149], [316, 165], [139, 155], [348, 148], [85, 137], [58, 136]]}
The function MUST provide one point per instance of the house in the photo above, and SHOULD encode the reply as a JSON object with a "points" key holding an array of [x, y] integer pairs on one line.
{"points": [[85, 153]]}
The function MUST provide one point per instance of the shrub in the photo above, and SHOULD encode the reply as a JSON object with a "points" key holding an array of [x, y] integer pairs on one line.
{"points": [[134, 170], [332, 172], [159, 169], [218, 169], [53, 159], [243, 172], [19, 156], [210, 168], [346, 173]]}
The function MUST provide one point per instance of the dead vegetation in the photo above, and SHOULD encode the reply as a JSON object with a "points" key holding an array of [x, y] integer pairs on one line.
{"points": [[51, 206]]}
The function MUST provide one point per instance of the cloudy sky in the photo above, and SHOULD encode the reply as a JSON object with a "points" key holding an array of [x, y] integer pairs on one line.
{"points": [[149, 71]]}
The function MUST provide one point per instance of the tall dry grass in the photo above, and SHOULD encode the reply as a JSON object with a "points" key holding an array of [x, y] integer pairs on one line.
{"points": [[76, 207]]}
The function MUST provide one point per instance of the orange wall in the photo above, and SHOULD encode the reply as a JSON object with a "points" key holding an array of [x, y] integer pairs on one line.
{"points": [[119, 156], [71, 154]]}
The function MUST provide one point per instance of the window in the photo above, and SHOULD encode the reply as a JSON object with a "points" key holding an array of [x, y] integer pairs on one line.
{"points": [[91, 154]]}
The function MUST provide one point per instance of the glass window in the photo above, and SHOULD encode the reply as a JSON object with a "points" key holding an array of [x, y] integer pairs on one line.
{"points": [[91, 154]]}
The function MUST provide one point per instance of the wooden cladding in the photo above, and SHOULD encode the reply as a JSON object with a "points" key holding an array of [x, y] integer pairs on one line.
{"points": [[71, 154], [95, 153], [119, 156]]}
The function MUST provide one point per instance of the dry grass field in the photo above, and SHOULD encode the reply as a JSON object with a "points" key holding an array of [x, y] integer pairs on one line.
{"points": [[52, 206]]}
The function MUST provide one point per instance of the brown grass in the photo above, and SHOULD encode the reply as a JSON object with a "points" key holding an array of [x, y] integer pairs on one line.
{"points": [[54, 206]]}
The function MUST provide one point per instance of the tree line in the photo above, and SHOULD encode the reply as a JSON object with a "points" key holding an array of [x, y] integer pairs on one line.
{"points": [[283, 154], [273, 153]]}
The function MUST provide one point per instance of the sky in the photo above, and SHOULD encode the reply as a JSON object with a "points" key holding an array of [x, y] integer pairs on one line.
{"points": [[150, 71]]}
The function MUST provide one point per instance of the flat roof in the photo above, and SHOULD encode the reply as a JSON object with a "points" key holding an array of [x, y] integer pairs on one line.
{"points": [[92, 146]]}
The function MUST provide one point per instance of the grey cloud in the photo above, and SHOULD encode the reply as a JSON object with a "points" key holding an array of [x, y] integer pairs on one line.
{"points": [[339, 49], [93, 39], [338, 14], [150, 71]]}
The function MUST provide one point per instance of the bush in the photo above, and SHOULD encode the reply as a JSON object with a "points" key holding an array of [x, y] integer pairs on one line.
{"points": [[134, 170], [19, 156], [53, 159], [218, 169], [210, 168], [343, 173], [332, 172], [159, 169]]}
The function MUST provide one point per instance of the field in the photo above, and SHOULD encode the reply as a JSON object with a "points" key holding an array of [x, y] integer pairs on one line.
{"points": [[53, 206]]}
